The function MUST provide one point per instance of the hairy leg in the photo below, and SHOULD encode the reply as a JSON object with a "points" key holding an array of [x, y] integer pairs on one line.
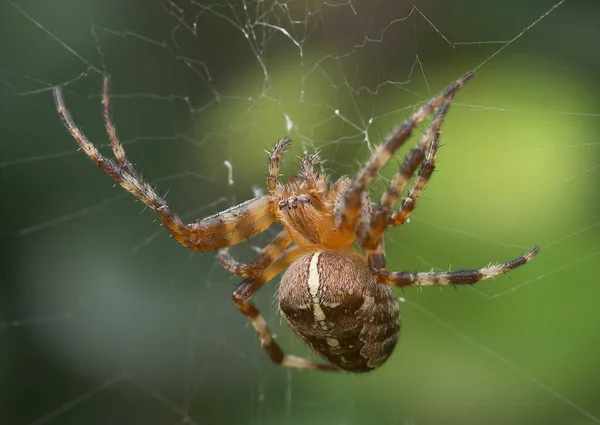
{"points": [[223, 229], [460, 277], [347, 215], [241, 297], [425, 173], [424, 153], [260, 263]]}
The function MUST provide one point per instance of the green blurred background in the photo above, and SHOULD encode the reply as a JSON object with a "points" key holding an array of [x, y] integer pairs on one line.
{"points": [[104, 319]]}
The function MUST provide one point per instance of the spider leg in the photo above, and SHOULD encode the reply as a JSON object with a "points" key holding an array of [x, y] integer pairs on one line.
{"points": [[372, 231], [226, 228], [460, 277], [274, 160], [346, 216], [425, 173], [115, 144], [241, 297], [260, 263]]}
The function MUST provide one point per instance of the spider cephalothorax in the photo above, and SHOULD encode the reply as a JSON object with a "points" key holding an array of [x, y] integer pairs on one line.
{"points": [[305, 205], [338, 300]]}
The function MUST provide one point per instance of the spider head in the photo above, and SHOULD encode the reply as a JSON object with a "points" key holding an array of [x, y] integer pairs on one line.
{"points": [[301, 206], [297, 199], [293, 202], [302, 193]]}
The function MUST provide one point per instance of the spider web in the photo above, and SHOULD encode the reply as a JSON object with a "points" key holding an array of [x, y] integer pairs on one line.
{"points": [[104, 319]]}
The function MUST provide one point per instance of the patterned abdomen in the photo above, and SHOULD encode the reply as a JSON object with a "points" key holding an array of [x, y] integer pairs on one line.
{"points": [[331, 299]]}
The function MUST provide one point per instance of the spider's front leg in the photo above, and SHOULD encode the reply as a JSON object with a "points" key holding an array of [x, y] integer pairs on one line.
{"points": [[459, 277], [223, 229]]}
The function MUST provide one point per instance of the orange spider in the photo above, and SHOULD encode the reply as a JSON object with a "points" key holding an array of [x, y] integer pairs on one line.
{"points": [[339, 301]]}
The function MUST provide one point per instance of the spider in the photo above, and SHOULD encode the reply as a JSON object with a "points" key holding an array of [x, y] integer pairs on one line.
{"points": [[339, 301]]}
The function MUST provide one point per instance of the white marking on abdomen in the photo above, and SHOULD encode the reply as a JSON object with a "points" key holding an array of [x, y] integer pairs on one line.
{"points": [[314, 282], [313, 275], [318, 311], [332, 342]]}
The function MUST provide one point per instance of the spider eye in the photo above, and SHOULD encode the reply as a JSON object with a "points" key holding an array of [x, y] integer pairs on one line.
{"points": [[305, 199]]}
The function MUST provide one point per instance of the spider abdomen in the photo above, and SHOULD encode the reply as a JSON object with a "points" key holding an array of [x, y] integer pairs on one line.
{"points": [[332, 300]]}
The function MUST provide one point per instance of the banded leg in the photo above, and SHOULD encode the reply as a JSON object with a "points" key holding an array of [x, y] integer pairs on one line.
{"points": [[347, 215], [241, 297], [274, 160], [223, 229], [372, 231], [425, 173], [376, 258], [460, 277], [260, 263], [115, 144]]}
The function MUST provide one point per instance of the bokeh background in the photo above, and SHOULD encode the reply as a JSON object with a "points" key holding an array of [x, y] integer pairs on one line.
{"points": [[104, 319]]}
